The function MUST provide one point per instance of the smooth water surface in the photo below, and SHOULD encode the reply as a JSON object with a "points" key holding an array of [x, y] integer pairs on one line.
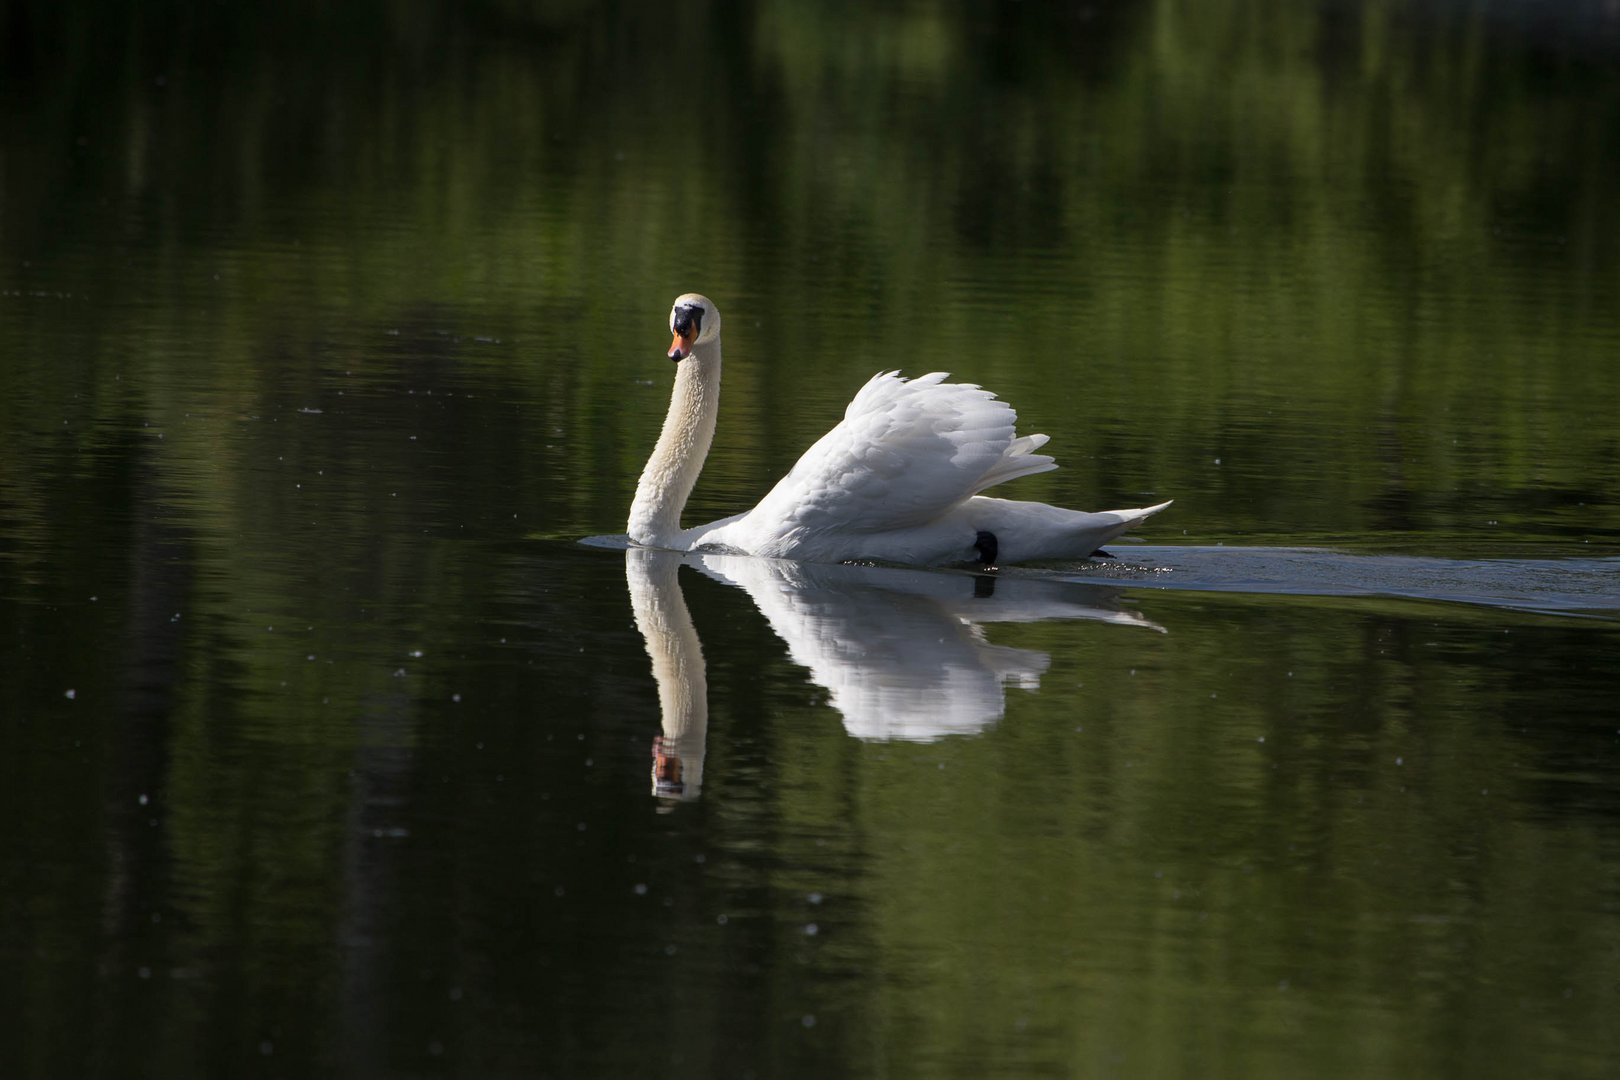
{"points": [[327, 335]]}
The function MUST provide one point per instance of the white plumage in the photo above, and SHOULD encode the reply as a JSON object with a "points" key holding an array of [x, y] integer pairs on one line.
{"points": [[898, 479]]}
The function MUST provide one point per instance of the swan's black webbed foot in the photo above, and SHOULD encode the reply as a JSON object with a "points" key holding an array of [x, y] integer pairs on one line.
{"points": [[985, 544], [1101, 554], [984, 586]]}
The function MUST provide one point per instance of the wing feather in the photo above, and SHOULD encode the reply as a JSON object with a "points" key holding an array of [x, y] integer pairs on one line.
{"points": [[906, 451]]}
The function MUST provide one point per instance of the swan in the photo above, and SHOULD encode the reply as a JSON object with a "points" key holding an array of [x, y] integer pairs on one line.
{"points": [[897, 480]]}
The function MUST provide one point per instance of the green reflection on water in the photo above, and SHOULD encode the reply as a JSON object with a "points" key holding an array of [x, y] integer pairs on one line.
{"points": [[1186, 247], [312, 322]]}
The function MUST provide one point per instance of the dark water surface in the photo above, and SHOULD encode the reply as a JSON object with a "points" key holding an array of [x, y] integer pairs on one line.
{"points": [[326, 334]]}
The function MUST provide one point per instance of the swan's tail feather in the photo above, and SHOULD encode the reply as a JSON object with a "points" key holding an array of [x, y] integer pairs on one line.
{"points": [[1092, 531], [1019, 459], [1137, 516], [1128, 518]]}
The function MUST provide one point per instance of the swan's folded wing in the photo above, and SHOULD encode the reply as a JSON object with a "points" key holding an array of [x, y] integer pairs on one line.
{"points": [[905, 452]]}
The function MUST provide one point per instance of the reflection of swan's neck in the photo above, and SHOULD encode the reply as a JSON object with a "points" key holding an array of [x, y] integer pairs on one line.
{"points": [[671, 472], [677, 664]]}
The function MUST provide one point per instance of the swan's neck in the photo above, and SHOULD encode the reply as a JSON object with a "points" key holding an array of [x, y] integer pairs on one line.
{"points": [[671, 472]]}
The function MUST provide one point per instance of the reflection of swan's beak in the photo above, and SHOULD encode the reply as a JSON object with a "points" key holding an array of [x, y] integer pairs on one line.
{"points": [[667, 771], [681, 347]]}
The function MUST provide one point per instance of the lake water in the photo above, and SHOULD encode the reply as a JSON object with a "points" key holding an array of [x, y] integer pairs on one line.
{"points": [[343, 735]]}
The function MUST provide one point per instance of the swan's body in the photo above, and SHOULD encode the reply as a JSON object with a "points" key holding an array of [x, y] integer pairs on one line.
{"points": [[897, 480]]}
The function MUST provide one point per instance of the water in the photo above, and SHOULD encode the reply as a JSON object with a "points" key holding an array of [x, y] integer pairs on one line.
{"points": [[326, 338]]}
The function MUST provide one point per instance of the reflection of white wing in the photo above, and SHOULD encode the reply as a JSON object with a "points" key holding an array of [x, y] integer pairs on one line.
{"points": [[899, 650]]}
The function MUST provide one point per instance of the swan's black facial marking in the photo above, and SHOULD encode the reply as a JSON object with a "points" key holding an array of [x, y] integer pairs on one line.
{"points": [[987, 546], [689, 321]]}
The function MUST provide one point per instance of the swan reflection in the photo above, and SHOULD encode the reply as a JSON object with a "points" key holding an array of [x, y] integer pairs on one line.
{"points": [[900, 652]]}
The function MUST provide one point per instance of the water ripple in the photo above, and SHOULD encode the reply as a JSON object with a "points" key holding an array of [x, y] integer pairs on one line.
{"points": [[1566, 586]]}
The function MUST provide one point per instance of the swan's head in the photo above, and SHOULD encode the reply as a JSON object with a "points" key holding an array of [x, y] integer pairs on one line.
{"points": [[694, 320]]}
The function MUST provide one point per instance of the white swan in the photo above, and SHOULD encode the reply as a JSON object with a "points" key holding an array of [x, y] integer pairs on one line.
{"points": [[897, 480]]}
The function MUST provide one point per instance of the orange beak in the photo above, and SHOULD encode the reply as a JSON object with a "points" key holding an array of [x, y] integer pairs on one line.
{"points": [[680, 347]]}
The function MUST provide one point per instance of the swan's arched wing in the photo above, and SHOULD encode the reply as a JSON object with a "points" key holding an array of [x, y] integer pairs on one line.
{"points": [[905, 452]]}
